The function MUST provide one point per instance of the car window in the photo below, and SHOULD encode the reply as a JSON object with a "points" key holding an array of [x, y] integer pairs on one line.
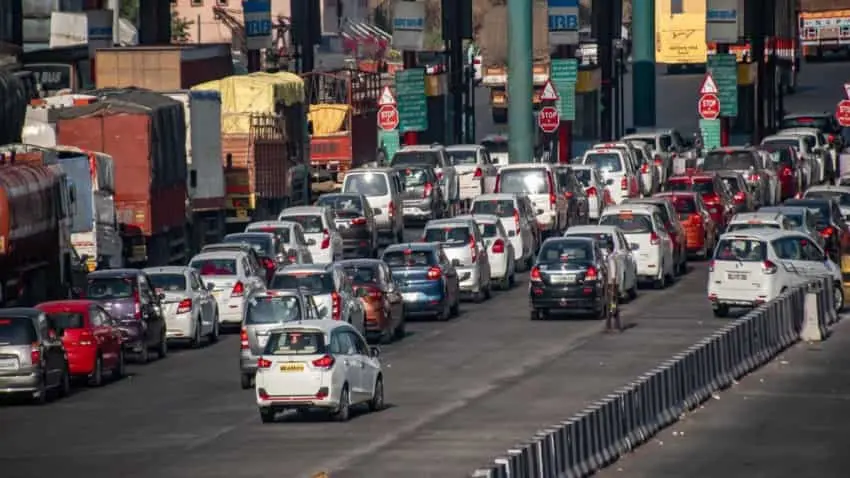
{"points": [[605, 162], [666, 143], [102, 288], [367, 184], [17, 331], [273, 309], [603, 239], [163, 282], [404, 158], [448, 234], [685, 206], [524, 181], [415, 176], [316, 282], [61, 321], [740, 249], [697, 185], [260, 244], [742, 226], [363, 274], [460, 157], [358, 342], [629, 223], [488, 230], [797, 249], [282, 233], [310, 223], [497, 207], [566, 251], [717, 160], [409, 258], [296, 342], [841, 197], [342, 344]]}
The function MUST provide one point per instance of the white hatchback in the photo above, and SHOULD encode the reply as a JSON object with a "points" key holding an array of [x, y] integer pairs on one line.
{"points": [[323, 239], [649, 241], [617, 171], [318, 364], [233, 279], [499, 249], [519, 226]]}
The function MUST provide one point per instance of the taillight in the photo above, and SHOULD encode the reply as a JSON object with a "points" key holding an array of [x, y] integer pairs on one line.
{"points": [[263, 363], [516, 219], [292, 259], [86, 338], [711, 266], [243, 339], [326, 237], [624, 184], [498, 180], [269, 264], [740, 197], [653, 239], [358, 221], [768, 267], [137, 304], [591, 191], [786, 171], [552, 198], [184, 306], [336, 306], [238, 290], [326, 361], [658, 161], [568, 194], [427, 190], [478, 173], [591, 274], [499, 247], [830, 138], [535, 274], [696, 219], [472, 251], [754, 177], [645, 168], [827, 231], [434, 273], [35, 354], [391, 209], [374, 294]]}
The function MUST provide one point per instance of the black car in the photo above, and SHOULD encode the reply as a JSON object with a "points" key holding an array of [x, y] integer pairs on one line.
{"points": [[269, 249], [129, 297], [355, 222], [570, 274], [828, 221]]}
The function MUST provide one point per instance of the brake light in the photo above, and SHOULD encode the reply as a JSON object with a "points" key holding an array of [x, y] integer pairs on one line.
{"points": [[535, 274], [768, 267], [830, 138], [658, 161], [499, 247], [263, 363], [184, 306], [391, 209], [786, 171], [478, 173], [827, 231], [374, 294], [591, 191], [740, 197], [434, 273], [653, 239], [696, 219], [269, 264], [243, 339], [591, 274], [427, 191], [324, 362], [644, 169], [624, 184], [358, 221], [472, 251], [238, 290], [516, 219], [552, 198], [498, 180], [326, 236], [754, 177], [711, 266], [336, 309], [440, 175], [35, 354], [137, 304]]}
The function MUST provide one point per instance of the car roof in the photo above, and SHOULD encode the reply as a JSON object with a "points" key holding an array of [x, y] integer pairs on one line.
{"points": [[326, 326], [655, 201], [304, 209], [304, 268], [223, 254], [582, 166], [786, 209], [765, 234], [828, 187], [673, 194], [228, 246], [589, 240], [757, 216], [804, 115], [592, 229], [800, 129], [257, 234], [280, 292], [287, 224], [114, 273], [168, 270], [634, 207], [388, 170], [422, 147], [642, 136], [414, 246], [365, 262], [600, 150], [13, 312], [460, 220], [464, 147], [70, 304], [791, 201], [781, 136], [341, 195], [492, 196], [521, 166]]}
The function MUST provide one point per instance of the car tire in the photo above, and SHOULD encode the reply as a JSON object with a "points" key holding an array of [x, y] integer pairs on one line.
{"points": [[376, 404], [196, 337], [632, 293], [267, 415], [96, 377], [446, 313], [120, 369], [399, 332], [162, 347], [535, 314], [488, 292], [343, 411], [144, 356], [721, 311], [216, 331], [41, 390], [454, 310], [245, 381], [661, 283], [838, 297]]}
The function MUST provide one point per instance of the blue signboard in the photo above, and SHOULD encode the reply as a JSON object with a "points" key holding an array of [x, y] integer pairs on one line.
{"points": [[563, 22], [258, 23]]}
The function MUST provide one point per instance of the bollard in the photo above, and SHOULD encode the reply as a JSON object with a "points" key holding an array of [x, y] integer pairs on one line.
{"points": [[515, 464], [597, 436], [812, 331], [484, 473], [573, 433], [534, 466], [585, 444], [503, 467], [630, 422]]}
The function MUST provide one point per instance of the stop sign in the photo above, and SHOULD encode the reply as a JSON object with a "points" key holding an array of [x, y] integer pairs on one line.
{"points": [[388, 117], [842, 113], [709, 106], [548, 119]]}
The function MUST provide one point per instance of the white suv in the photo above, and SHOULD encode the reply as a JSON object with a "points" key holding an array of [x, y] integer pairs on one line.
{"points": [[537, 181], [617, 169], [648, 239], [516, 221]]}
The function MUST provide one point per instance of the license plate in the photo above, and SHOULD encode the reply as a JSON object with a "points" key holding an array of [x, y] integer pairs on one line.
{"points": [[410, 296], [8, 364], [737, 276], [292, 367], [562, 278], [410, 210], [242, 213]]}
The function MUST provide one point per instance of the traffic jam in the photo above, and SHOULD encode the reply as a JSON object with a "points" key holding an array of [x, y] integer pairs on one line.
{"points": [[316, 291]]}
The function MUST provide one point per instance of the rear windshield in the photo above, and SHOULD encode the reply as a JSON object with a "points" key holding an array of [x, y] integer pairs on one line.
{"points": [[795, 219], [311, 223], [282, 233], [449, 234], [565, 251], [461, 157], [524, 181], [735, 249], [604, 240], [780, 143], [841, 198], [806, 122], [362, 274], [410, 258], [316, 282], [414, 177], [685, 206], [270, 310], [262, 245], [16, 331], [702, 186], [488, 230], [109, 288], [781, 156], [584, 176], [367, 184], [62, 321], [168, 282], [341, 204], [496, 207], [819, 210], [716, 160], [605, 162], [630, 224], [215, 267], [296, 342], [495, 146], [754, 225], [429, 158]]}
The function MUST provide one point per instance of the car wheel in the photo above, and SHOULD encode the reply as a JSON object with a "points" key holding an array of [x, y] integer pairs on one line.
{"points": [[245, 381], [661, 282], [343, 411], [196, 337], [216, 331], [162, 348], [488, 292], [838, 297], [377, 402], [267, 415], [120, 368], [455, 308], [96, 377], [446, 312], [65, 384], [632, 292], [720, 311], [400, 331], [40, 397], [145, 355], [529, 263]]}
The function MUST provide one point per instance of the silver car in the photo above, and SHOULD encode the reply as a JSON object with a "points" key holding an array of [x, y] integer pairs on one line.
{"points": [[467, 251], [267, 311], [189, 308], [32, 357], [291, 235], [435, 156]]}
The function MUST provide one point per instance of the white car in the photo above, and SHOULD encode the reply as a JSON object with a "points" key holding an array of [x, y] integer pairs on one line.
{"points": [[816, 150], [500, 251], [611, 238], [598, 194], [841, 195], [811, 164], [465, 249], [323, 239], [537, 181], [650, 243], [291, 235], [520, 227], [755, 266], [234, 280], [770, 219], [476, 173], [617, 171], [190, 310], [769, 170], [318, 364]]}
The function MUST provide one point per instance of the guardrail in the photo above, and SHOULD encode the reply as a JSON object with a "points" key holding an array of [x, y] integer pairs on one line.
{"points": [[609, 428]]}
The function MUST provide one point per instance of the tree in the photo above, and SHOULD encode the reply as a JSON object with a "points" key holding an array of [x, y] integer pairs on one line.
{"points": [[180, 28], [129, 9]]}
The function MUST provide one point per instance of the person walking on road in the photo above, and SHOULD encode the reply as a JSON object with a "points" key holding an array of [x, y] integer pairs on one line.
{"points": [[612, 316]]}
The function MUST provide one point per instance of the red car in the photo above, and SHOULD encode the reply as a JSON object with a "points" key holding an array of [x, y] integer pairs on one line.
{"points": [[700, 229], [91, 339], [714, 193]]}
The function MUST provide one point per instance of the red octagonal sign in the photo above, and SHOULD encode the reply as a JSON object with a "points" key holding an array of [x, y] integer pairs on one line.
{"points": [[709, 106], [842, 113], [548, 119], [388, 117]]}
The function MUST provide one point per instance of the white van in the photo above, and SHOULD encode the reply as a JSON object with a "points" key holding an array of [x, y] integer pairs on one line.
{"points": [[382, 188], [537, 181]]}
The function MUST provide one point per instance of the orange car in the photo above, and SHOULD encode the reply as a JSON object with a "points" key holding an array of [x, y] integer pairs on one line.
{"points": [[382, 301], [700, 229], [715, 194]]}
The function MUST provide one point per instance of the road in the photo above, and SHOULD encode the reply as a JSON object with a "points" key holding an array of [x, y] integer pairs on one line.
{"points": [[460, 392]]}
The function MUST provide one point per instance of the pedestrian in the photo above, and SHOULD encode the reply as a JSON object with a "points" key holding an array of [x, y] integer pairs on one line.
{"points": [[612, 316]]}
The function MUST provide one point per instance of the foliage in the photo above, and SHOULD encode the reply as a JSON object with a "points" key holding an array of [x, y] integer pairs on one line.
{"points": [[180, 28], [129, 9]]}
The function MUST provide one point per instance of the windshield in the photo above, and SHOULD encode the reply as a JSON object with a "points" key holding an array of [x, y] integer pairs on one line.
{"points": [[842, 198], [17, 331], [685, 206], [367, 184], [296, 342], [702, 186], [316, 282], [819, 209], [497, 207], [462, 157], [628, 223], [488, 230], [737, 160], [101, 288], [341, 203], [272, 310], [410, 258], [168, 282], [780, 143], [214, 267], [795, 219], [805, 122], [448, 234], [362, 274], [740, 249], [603, 240], [262, 245], [311, 223], [414, 177], [495, 146], [62, 321], [751, 225], [584, 176], [403, 158], [524, 181], [282, 233], [565, 251], [605, 162]]}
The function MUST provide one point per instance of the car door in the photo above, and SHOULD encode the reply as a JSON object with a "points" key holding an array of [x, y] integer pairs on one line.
{"points": [[664, 235], [389, 288], [795, 252], [346, 347], [102, 332], [452, 285], [201, 296], [368, 370], [628, 258], [151, 310], [112, 339]]}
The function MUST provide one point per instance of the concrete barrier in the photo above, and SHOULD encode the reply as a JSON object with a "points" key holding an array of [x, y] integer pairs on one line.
{"points": [[611, 427]]}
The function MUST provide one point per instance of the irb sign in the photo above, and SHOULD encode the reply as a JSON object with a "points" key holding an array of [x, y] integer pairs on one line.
{"points": [[563, 22]]}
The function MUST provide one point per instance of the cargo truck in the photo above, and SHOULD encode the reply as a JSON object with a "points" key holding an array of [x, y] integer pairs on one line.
{"points": [[162, 68], [824, 27], [493, 42], [145, 133]]}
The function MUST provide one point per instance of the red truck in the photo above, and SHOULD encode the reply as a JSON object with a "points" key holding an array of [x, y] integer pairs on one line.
{"points": [[145, 133]]}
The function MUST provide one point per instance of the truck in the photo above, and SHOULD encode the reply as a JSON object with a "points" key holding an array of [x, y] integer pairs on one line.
{"points": [[493, 43], [824, 28], [343, 116], [162, 68], [145, 133], [205, 177], [680, 34], [263, 136]]}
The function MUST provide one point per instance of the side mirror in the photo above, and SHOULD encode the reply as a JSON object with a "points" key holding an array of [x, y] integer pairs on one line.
{"points": [[311, 242], [455, 262], [609, 181], [375, 352], [210, 286]]}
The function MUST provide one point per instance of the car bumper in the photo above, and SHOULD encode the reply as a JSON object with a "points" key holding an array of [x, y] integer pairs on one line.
{"points": [[375, 319], [357, 247], [580, 297], [323, 256], [25, 382], [469, 279], [180, 326], [546, 221], [416, 210], [426, 302], [499, 266], [284, 402], [231, 315]]}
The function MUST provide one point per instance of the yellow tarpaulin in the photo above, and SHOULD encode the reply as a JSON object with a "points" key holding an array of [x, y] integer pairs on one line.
{"points": [[255, 93], [327, 118]]}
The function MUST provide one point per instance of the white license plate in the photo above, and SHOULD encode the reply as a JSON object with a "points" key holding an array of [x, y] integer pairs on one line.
{"points": [[411, 296], [737, 276], [410, 210], [562, 278], [8, 364]]}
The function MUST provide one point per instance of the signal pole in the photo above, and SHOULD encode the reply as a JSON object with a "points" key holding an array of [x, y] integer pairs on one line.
{"points": [[520, 89], [603, 23], [643, 63]]}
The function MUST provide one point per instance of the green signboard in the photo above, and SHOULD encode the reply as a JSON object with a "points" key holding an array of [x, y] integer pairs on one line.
{"points": [[412, 103], [389, 142], [564, 76], [724, 70], [710, 130]]}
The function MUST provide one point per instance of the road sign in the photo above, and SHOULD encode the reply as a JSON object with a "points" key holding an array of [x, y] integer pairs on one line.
{"points": [[710, 132], [387, 97], [708, 86], [388, 117], [563, 22], [723, 68], [842, 113], [847, 90], [548, 119], [564, 74], [258, 24], [549, 93], [412, 102], [709, 106]]}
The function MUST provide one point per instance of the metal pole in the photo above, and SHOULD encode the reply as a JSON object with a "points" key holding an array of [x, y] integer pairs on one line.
{"points": [[457, 65], [603, 26], [770, 33], [757, 50], [643, 63], [520, 89]]}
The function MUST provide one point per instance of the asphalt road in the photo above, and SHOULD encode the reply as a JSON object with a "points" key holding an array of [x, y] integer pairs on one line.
{"points": [[460, 392]]}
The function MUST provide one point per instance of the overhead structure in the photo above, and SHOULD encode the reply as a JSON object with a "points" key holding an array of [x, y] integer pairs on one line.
{"points": [[281, 26]]}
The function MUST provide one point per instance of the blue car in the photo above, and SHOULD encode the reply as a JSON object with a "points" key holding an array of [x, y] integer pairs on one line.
{"points": [[426, 279]]}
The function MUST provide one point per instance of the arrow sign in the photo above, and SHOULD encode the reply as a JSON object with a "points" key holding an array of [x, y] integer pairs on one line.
{"points": [[708, 87], [549, 92], [847, 90], [387, 98]]}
